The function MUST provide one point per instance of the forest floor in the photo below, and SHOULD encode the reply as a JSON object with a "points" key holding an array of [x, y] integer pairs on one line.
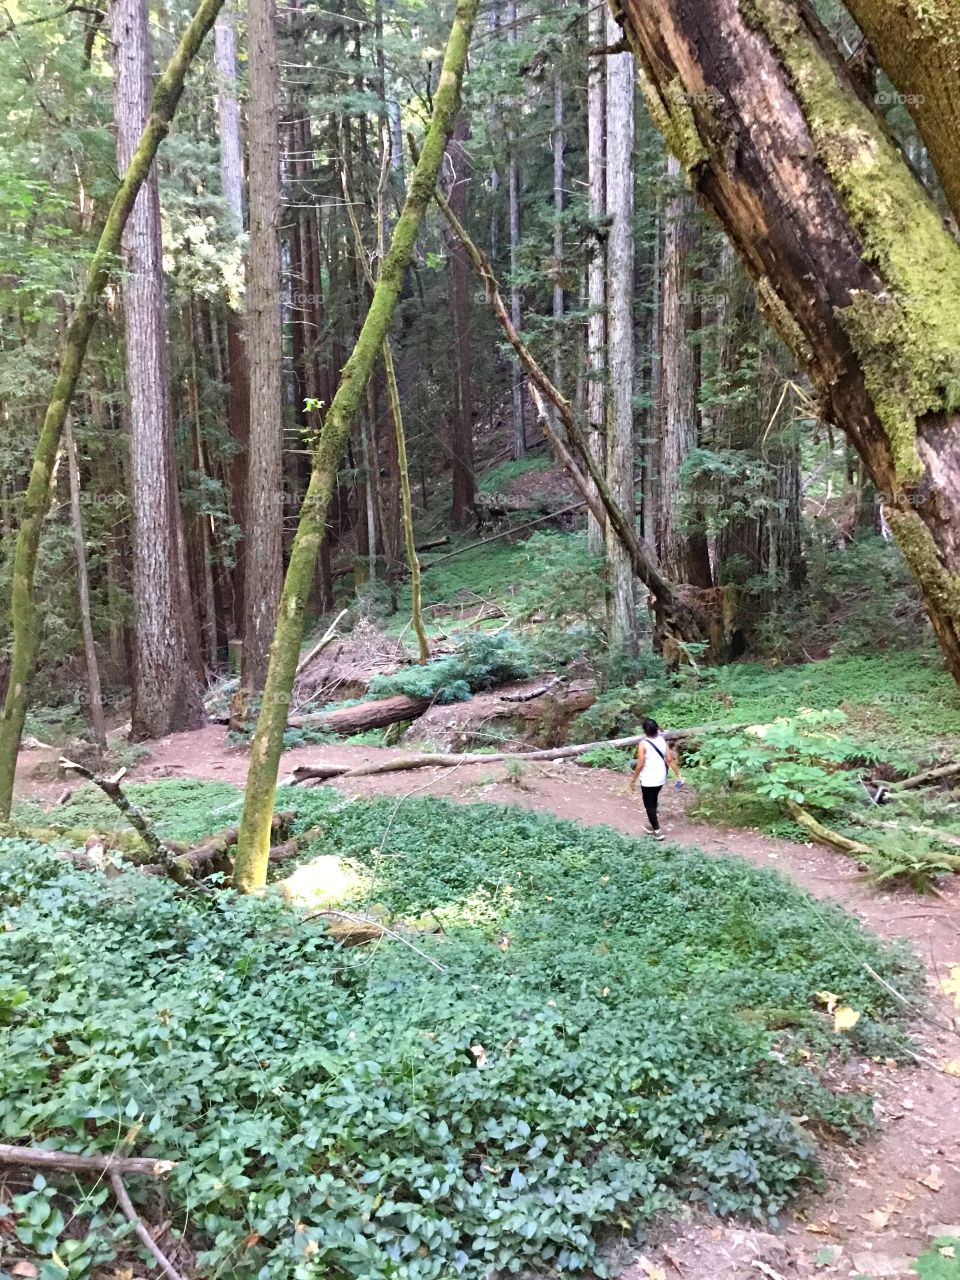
{"points": [[886, 1200]]}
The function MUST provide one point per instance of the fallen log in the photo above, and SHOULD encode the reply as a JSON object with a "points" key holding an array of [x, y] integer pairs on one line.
{"points": [[942, 837], [440, 760], [69, 1161], [375, 714], [528, 696], [855, 848], [185, 864], [927, 777]]}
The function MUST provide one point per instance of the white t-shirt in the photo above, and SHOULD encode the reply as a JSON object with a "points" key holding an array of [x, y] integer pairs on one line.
{"points": [[654, 771]]}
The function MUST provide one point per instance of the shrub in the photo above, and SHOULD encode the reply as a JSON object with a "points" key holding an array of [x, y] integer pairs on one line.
{"points": [[617, 1027], [480, 662]]}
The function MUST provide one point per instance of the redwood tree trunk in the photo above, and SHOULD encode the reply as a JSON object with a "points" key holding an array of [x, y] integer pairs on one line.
{"points": [[853, 262], [263, 556], [238, 378], [596, 269], [166, 694], [683, 549], [622, 608]]}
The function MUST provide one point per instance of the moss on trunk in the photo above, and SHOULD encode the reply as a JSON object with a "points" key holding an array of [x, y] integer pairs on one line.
{"points": [[253, 847]]}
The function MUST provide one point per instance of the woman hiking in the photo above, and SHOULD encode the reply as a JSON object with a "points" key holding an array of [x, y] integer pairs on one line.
{"points": [[654, 758]]}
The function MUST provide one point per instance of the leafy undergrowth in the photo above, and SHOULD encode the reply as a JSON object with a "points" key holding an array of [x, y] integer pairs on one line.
{"points": [[618, 1027]]}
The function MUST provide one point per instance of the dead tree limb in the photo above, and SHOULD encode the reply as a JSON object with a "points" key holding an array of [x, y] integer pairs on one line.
{"points": [[856, 848], [928, 777], [532, 693], [328, 636], [70, 1162], [143, 1235], [113, 791], [184, 864], [673, 614], [439, 760]]}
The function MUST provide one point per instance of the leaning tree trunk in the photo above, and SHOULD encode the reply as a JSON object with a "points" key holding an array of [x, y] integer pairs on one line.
{"points": [[597, 266], [621, 600], [23, 607], [853, 263], [166, 694], [253, 848], [917, 43], [263, 552]]}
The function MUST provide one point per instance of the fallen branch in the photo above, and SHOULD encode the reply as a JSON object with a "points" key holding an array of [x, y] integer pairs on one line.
{"points": [[143, 1235], [533, 693], [928, 777], [112, 789], [69, 1161], [943, 837], [185, 864], [826, 835], [328, 636], [376, 930], [442, 760]]}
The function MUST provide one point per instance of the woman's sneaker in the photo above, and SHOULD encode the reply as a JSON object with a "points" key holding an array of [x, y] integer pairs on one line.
{"points": [[657, 835]]}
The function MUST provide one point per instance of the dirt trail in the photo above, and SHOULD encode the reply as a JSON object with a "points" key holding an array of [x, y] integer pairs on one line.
{"points": [[886, 1199]]}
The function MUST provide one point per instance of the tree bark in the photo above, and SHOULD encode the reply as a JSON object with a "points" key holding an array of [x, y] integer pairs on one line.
{"points": [[917, 43], [621, 601], [853, 263], [597, 266], [238, 378], [166, 694], [558, 143], [516, 296], [254, 844], [461, 512], [683, 553], [94, 691], [263, 555], [23, 608]]}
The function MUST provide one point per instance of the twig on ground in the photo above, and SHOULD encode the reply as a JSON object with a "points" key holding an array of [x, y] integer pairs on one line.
{"points": [[390, 933], [143, 1235], [70, 1161]]}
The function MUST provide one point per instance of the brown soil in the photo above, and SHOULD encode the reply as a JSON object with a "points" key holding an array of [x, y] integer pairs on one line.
{"points": [[886, 1199]]}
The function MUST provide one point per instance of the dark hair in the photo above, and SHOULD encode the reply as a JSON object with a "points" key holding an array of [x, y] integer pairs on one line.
{"points": [[651, 728]]}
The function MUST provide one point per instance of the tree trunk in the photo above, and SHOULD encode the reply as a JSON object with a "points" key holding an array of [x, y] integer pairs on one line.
{"points": [[516, 297], [238, 378], [683, 551], [596, 269], [94, 691], [23, 607], [853, 263], [621, 600], [917, 43], [558, 177], [461, 513], [166, 695], [254, 845], [263, 558]]}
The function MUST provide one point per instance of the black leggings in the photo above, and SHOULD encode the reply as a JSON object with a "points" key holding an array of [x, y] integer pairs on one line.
{"points": [[651, 796]]}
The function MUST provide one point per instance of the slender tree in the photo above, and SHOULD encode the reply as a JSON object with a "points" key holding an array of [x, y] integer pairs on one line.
{"points": [[23, 610], [94, 690], [253, 848], [461, 512], [263, 553], [166, 694], [516, 296], [231, 186], [597, 267], [622, 605]]}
